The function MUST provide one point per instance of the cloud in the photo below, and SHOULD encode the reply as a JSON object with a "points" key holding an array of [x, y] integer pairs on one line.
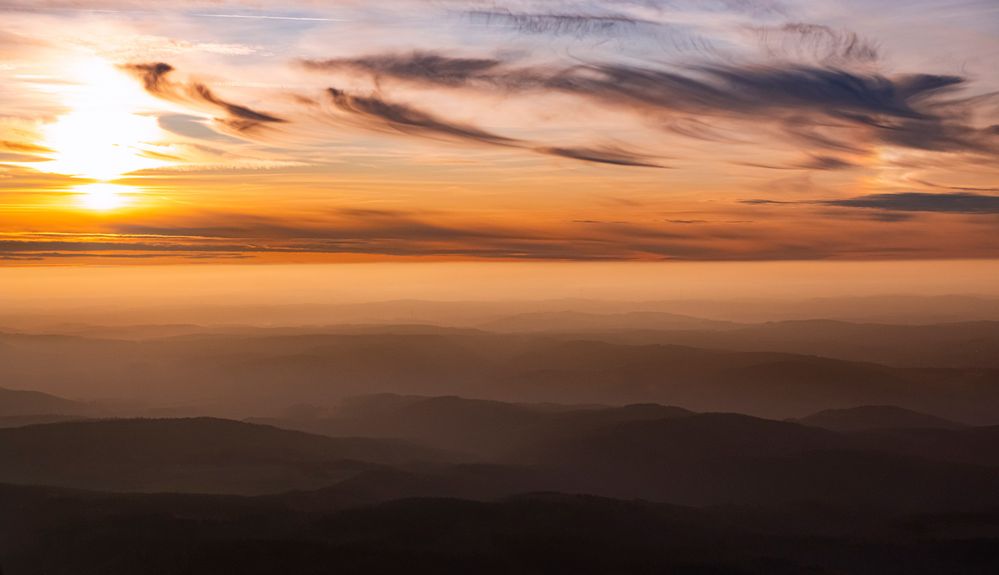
{"points": [[598, 24], [373, 232], [957, 188], [612, 156], [42, 256], [960, 203], [17, 146], [762, 202], [376, 113], [417, 66], [810, 88], [953, 203], [267, 17], [826, 163], [154, 77], [558, 24], [334, 227], [805, 100], [799, 41], [704, 88], [28, 247], [191, 127], [381, 233], [581, 25], [373, 111]]}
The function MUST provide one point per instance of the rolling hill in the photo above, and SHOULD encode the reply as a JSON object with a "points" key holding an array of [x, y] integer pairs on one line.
{"points": [[252, 375], [188, 455], [875, 417], [17, 403], [483, 428]]}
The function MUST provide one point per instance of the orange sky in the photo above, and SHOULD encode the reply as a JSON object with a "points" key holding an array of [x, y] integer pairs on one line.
{"points": [[601, 131]]}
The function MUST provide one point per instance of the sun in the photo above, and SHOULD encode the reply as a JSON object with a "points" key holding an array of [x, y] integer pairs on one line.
{"points": [[106, 132], [103, 197]]}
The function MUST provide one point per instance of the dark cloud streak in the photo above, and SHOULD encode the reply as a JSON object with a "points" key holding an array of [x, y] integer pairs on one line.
{"points": [[154, 77], [952, 203], [601, 156], [960, 203], [903, 110], [374, 112], [559, 24], [418, 66]]}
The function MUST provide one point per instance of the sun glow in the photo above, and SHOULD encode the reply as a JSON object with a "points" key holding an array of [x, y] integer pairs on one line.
{"points": [[105, 134], [103, 197]]}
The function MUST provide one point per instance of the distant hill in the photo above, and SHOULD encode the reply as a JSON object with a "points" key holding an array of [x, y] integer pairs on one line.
{"points": [[965, 344], [767, 384], [709, 459], [698, 459], [875, 417], [243, 375], [188, 455], [478, 427], [656, 453], [16, 403], [447, 422], [23, 420], [194, 331], [968, 445], [554, 321], [695, 459]]}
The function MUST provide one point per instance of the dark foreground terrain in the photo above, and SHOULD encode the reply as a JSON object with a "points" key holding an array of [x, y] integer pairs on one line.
{"points": [[537, 443], [472, 486], [70, 532]]}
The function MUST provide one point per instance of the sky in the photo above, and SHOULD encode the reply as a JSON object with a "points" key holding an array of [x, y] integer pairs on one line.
{"points": [[506, 130]]}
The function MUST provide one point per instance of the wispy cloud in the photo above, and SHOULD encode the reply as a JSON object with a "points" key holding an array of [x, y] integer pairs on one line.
{"points": [[154, 77], [373, 112], [267, 17], [607, 155], [949, 203], [803, 42], [960, 203], [905, 110]]}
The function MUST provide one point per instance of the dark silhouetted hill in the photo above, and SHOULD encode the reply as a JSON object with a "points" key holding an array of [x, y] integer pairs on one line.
{"points": [[57, 532], [483, 428], [736, 459], [707, 459], [252, 375], [875, 417], [23, 420], [188, 455], [957, 345], [570, 321], [972, 445]]}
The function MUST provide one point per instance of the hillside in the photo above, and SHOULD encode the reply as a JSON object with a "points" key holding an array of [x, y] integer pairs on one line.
{"points": [[569, 321], [252, 375], [875, 417], [531, 533], [188, 455], [16, 403], [480, 427]]}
